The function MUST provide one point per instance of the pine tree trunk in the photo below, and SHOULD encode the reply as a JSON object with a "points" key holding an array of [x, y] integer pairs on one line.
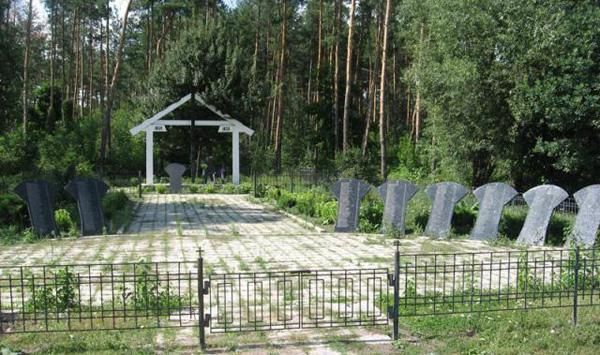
{"points": [[346, 118], [336, 76], [105, 141], [26, 67], [280, 101], [50, 113], [382, 123]]}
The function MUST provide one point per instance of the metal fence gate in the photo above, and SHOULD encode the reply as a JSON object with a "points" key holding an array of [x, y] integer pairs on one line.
{"points": [[297, 299]]}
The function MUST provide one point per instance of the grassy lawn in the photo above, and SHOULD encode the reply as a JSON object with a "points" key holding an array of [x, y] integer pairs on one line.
{"points": [[510, 332]]}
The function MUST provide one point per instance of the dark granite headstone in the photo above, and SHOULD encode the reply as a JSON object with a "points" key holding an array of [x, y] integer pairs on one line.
{"points": [[348, 192], [89, 192], [39, 197], [588, 217], [175, 171], [492, 198], [541, 201], [443, 196], [395, 196]]}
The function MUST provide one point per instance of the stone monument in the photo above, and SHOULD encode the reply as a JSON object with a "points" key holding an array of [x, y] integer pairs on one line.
{"points": [[175, 171], [541, 201], [588, 218], [443, 196], [492, 198], [395, 196], [348, 192], [89, 193], [39, 197]]}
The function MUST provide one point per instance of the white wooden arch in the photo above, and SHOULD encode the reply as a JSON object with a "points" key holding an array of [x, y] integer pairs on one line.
{"points": [[157, 124]]}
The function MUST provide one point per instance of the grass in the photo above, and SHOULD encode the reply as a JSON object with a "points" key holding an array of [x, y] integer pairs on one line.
{"points": [[140, 341], [512, 332]]}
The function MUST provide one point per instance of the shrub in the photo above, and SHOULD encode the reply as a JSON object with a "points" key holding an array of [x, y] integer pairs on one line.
{"points": [[194, 189], [244, 188], [64, 222], [161, 189], [286, 200], [13, 210], [326, 211], [114, 202], [371, 214], [59, 296], [229, 188], [149, 294]]}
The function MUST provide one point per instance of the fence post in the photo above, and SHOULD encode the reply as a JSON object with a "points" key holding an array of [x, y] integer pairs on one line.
{"points": [[139, 184], [292, 182], [201, 325], [254, 181], [396, 313], [576, 285]]}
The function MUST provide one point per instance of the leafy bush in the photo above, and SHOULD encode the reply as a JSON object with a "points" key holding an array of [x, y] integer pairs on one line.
{"points": [[13, 210], [210, 188], [371, 215], [114, 202], [149, 293], [60, 295], [326, 211], [244, 188], [193, 188], [161, 189], [64, 222], [286, 200], [229, 188]]}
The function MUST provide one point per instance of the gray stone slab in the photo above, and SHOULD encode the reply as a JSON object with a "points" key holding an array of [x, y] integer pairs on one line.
{"points": [[175, 171], [492, 198], [395, 196], [443, 196], [39, 197], [588, 217], [348, 192], [541, 201], [88, 193]]}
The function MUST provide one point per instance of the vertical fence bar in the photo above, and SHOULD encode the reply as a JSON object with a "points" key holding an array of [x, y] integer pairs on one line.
{"points": [[576, 285], [201, 334], [396, 315], [254, 182], [139, 184]]}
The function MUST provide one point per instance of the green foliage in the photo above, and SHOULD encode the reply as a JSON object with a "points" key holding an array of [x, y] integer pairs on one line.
{"points": [[326, 211], [13, 210], [117, 207], [149, 293], [161, 189], [353, 164], [371, 214], [64, 222], [60, 295]]}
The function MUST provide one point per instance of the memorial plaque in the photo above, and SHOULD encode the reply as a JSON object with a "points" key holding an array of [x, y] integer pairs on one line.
{"points": [[395, 196], [348, 192], [492, 199], [89, 192], [588, 217], [175, 171], [541, 201], [39, 197], [443, 196]]}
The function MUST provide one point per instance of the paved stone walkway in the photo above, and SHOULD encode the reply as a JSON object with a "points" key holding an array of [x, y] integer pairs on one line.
{"points": [[209, 215]]}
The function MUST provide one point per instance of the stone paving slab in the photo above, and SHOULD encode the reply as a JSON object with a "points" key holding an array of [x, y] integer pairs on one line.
{"points": [[208, 214]]}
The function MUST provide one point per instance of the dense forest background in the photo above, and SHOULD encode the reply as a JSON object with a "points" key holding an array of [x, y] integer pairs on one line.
{"points": [[426, 90]]}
